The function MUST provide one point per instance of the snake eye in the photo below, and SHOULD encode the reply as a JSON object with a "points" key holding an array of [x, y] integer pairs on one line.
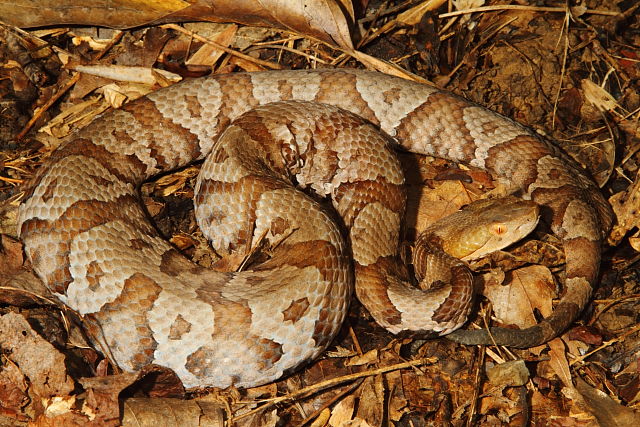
{"points": [[499, 229]]}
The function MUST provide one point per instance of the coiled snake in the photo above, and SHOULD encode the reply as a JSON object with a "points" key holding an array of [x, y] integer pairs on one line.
{"points": [[91, 243]]}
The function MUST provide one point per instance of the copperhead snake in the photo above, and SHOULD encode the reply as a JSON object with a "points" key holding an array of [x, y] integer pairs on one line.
{"points": [[91, 243]]}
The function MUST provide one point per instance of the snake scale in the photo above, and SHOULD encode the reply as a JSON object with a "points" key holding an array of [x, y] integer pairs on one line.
{"points": [[91, 243]]}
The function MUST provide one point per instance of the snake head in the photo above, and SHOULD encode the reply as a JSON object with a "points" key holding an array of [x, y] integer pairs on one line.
{"points": [[495, 224], [483, 227]]}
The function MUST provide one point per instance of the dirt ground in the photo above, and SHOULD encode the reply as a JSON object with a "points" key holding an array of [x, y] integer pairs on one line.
{"points": [[571, 75]]}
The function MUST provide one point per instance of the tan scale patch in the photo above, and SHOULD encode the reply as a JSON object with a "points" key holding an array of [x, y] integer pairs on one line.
{"points": [[174, 264], [371, 289], [279, 225], [49, 191], [392, 95], [296, 310], [580, 253], [94, 274], [352, 197], [138, 244], [522, 173], [437, 128], [339, 88], [458, 302], [285, 88], [322, 331], [99, 180], [179, 327], [270, 352], [83, 215], [316, 253], [237, 98], [127, 168], [170, 144], [131, 306], [193, 106]]}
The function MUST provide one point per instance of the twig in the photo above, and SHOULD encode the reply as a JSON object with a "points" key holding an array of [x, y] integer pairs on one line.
{"points": [[606, 344], [331, 401], [333, 382], [74, 79], [232, 52], [497, 8], [288, 49]]}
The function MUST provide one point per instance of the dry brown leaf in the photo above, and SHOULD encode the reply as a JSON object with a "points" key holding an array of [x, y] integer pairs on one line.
{"points": [[626, 206], [11, 257], [18, 286], [508, 374], [342, 413], [558, 361], [371, 404], [598, 159], [607, 411], [526, 289], [369, 357], [208, 54], [433, 204], [101, 404], [320, 19], [386, 67], [176, 181], [36, 358], [413, 15], [14, 396], [598, 96], [123, 73], [172, 412]]}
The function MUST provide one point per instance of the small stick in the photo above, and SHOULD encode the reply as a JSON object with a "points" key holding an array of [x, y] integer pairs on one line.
{"points": [[74, 79], [335, 381], [267, 64]]}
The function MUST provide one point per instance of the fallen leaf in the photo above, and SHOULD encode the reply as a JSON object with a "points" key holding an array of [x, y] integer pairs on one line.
{"points": [[369, 357], [320, 19], [558, 361], [37, 359], [172, 412], [607, 411], [342, 413], [526, 289], [626, 207], [508, 374], [209, 54]]}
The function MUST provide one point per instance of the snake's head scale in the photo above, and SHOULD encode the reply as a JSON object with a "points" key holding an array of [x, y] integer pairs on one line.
{"points": [[499, 223]]}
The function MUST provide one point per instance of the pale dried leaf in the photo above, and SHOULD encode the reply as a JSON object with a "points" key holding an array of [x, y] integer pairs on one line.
{"points": [[342, 413], [40, 361], [322, 419], [607, 411], [209, 54], [369, 357], [59, 405], [626, 207], [370, 408], [124, 73], [432, 204], [73, 117], [340, 352], [413, 15], [527, 289], [385, 67], [598, 96], [558, 361], [172, 412], [320, 19], [509, 374]]}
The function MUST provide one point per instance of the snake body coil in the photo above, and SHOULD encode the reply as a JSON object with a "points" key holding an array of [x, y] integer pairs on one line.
{"points": [[91, 243]]}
